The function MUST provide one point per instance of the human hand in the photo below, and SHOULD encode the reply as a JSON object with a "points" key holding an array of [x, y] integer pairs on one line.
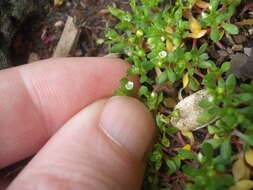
{"points": [[90, 141]]}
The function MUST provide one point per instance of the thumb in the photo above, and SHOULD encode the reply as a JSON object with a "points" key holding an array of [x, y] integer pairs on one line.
{"points": [[102, 147]]}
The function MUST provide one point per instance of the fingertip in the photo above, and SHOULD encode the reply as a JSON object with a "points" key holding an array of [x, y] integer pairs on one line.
{"points": [[128, 123]]}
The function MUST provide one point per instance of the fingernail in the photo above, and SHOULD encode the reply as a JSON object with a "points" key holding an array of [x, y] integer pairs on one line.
{"points": [[128, 123]]}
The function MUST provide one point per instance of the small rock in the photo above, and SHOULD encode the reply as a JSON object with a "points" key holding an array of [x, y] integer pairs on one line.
{"points": [[238, 61], [59, 24], [237, 48], [248, 51], [189, 111], [222, 55]]}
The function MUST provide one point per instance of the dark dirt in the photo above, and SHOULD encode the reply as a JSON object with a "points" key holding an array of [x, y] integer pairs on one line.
{"points": [[40, 36], [13, 14]]}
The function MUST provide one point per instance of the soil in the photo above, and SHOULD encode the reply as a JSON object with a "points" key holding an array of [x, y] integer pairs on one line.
{"points": [[41, 35]]}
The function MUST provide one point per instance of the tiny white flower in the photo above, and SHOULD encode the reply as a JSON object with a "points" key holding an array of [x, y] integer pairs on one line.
{"points": [[210, 7], [200, 157], [163, 38], [162, 54], [129, 85]]}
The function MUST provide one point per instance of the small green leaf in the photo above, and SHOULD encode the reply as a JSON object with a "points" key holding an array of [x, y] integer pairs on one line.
{"points": [[162, 78], [231, 28], [205, 103], [207, 150], [186, 154], [117, 47], [225, 67], [244, 97], [206, 64], [193, 84], [205, 117], [226, 149], [214, 4], [171, 165], [203, 48], [191, 171], [215, 34], [171, 76], [231, 83], [247, 138], [214, 142]]}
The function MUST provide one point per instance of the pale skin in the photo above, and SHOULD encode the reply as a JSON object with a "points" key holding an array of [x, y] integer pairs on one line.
{"points": [[62, 111]]}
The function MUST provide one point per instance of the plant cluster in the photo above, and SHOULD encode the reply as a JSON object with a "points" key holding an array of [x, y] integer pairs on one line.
{"points": [[166, 42]]}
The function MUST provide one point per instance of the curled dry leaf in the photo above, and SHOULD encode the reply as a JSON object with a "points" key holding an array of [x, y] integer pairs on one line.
{"points": [[189, 112], [242, 185], [249, 157], [195, 28], [240, 170]]}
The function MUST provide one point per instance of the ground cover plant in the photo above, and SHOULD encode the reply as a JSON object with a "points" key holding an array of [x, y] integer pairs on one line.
{"points": [[167, 44]]}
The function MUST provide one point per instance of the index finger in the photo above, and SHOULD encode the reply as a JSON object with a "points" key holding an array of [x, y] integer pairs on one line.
{"points": [[37, 99]]}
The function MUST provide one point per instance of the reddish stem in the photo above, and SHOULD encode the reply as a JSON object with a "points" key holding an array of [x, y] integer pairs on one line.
{"points": [[197, 72], [249, 6], [222, 8], [194, 44], [246, 8], [220, 45], [181, 139]]}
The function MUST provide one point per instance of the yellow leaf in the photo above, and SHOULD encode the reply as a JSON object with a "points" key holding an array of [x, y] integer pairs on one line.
{"points": [[58, 3], [240, 170], [195, 28], [189, 135], [170, 102], [249, 157], [242, 185], [169, 29], [169, 46], [202, 4], [198, 35], [187, 147], [194, 24], [185, 80]]}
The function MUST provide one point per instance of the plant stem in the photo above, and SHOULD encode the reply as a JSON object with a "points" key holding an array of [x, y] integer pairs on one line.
{"points": [[220, 45], [197, 72]]}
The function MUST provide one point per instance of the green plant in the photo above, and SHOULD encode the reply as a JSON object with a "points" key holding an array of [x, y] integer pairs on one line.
{"points": [[166, 43]]}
